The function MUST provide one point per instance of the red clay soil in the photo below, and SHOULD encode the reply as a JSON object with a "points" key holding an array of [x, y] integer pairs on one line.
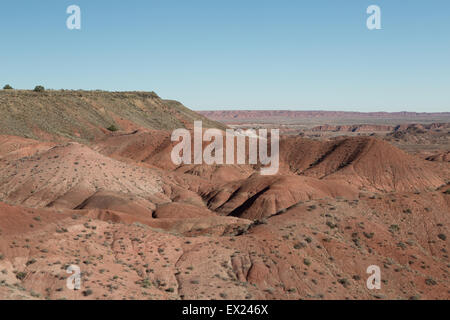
{"points": [[140, 227]]}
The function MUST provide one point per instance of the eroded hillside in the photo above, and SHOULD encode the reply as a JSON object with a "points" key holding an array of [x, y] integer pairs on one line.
{"points": [[86, 115], [141, 227]]}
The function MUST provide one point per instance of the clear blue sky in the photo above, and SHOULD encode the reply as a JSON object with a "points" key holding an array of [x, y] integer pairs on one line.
{"points": [[315, 54]]}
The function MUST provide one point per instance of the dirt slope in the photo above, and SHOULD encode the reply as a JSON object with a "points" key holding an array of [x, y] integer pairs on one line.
{"points": [[85, 115], [67, 174], [317, 249], [362, 161]]}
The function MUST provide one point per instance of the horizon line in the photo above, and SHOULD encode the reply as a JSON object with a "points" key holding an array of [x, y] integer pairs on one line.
{"points": [[227, 109], [321, 110]]}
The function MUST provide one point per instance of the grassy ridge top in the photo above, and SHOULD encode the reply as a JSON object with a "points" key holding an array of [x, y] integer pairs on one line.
{"points": [[84, 115]]}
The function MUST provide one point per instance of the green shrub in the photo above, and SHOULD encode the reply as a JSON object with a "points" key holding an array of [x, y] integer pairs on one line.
{"points": [[21, 275], [39, 89], [112, 128], [299, 245], [344, 282], [7, 87], [30, 262], [368, 235], [393, 228], [87, 292]]}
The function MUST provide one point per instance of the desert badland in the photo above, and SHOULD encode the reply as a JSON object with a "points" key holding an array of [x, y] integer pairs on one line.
{"points": [[86, 179]]}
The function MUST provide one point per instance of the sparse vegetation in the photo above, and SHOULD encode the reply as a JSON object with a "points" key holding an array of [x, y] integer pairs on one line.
{"points": [[368, 235], [145, 109], [401, 245], [87, 292], [145, 283], [113, 128], [344, 282], [394, 228], [331, 225], [29, 262], [299, 245], [21, 275], [442, 236], [39, 89]]}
